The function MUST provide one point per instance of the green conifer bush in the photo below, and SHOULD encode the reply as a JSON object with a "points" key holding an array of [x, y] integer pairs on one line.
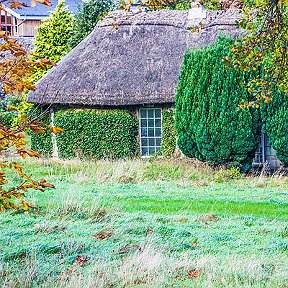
{"points": [[87, 17], [210, 124], [275, 119], [52, 37]]}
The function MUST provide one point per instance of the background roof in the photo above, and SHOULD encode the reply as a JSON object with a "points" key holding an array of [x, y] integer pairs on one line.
{"points": [[43, 10]]}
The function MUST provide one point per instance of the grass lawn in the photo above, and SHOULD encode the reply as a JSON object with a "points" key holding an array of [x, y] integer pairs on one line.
{"points": [[147, 224]]}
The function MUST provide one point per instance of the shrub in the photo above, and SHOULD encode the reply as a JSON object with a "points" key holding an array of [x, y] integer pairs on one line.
{"points": [[275, 119], [168, 133], [87, 17], [223, 174], [210, 125], [96, 134], [52, 37], [7, 117]]}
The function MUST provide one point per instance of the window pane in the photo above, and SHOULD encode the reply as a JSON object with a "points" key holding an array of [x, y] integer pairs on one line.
{"points": [[158, 141], [144, 123], [158, 123], [151, 113], [152, 150], [157, 149], [157, 132], [143, 132], [157, 113], [143, 113], [151, 132], [151, 141], [151, 123], [145, 151], [144, 142]]}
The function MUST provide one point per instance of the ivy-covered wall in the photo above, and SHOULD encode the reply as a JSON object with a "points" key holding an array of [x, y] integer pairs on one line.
{"points": [[168, 133], [110, 134], [42, 143]]}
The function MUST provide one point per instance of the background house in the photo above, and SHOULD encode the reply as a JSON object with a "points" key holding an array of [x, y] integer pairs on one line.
{"points": [[23, 22], [132, 62]]}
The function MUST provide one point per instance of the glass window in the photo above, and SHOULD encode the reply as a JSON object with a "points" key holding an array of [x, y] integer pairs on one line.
{"points": [[151, 113], [143, 113], [151, 132]]}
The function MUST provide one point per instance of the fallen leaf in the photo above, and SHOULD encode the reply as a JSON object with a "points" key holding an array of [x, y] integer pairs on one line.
{"points": [[194, 273]]}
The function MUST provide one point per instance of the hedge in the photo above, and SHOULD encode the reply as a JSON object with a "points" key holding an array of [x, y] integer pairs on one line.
{"points": [[97, 134], [210, 125]]}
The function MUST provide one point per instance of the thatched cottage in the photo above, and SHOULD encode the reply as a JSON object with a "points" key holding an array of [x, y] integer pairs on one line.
{"points": [[132, 61]]}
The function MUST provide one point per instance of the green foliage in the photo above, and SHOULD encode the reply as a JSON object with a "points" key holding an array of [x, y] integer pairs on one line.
{"points": [[223, 174], [264, 46], [87, 17], [7, 117], [275, 119], [168, 133], [210, 125], [52, 37], [96, 134], [42, 142]]}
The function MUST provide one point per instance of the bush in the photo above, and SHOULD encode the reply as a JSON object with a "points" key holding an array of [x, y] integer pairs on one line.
{"points": [[210, 125], [223, 174], [7, 117], [168, 133], [52, 38], [87, 17], [275, 119], [96, 134]]}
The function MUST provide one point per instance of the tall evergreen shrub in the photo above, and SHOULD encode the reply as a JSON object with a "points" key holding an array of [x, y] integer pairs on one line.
{"points": [[275, 120], [87, 17], [209, 122], [52, 37]]}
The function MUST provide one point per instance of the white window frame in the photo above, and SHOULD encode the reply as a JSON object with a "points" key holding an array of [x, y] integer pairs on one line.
{"points": [[140, 131]]}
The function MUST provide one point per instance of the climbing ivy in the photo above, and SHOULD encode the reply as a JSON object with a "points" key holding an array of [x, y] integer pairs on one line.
{"points": [[42, 142], [96, 134], [168, 133]]}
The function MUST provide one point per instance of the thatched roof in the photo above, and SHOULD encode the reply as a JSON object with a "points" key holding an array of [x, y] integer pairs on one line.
{"points": [[129, 59]]}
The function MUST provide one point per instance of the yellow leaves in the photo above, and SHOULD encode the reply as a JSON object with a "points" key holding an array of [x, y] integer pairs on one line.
{"points": [[37, 128], [56, 130], [24, 152], [26, 206], [16, 65], [45, 184], [44, 2]]}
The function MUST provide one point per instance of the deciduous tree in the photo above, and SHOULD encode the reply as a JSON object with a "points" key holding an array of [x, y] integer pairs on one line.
{"points": [[16, 65]]}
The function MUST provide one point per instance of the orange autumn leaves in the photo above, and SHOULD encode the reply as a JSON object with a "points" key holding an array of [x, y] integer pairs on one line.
{"points": [[15, 138], [15, 67]]}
